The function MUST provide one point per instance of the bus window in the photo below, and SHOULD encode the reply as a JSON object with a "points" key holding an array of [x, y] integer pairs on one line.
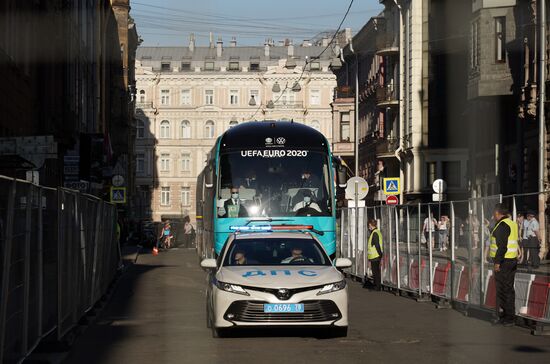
{"points": [[268, 183]]}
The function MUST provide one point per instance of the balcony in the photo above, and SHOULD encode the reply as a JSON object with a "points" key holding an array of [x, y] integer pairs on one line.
{"points": [[288, 105], [386, 44], [386, 147], [144, 105], [386, 96]]}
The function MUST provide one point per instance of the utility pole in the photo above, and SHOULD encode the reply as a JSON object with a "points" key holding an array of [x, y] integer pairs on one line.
{"points": [[541, 18]]}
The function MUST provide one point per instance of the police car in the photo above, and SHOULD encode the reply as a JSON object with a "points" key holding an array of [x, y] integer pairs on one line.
{"points": [[276, 277]]}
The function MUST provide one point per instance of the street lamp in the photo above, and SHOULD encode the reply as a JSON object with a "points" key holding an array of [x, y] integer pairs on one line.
{"points": [[276, 88], [252, 101]]}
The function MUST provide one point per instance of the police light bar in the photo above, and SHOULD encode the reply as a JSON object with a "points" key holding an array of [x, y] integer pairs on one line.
{"points": [[251, 228]]}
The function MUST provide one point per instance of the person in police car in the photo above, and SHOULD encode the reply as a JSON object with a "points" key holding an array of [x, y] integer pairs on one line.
{"points": [[233, 206], [296, 256], [307, 201]]}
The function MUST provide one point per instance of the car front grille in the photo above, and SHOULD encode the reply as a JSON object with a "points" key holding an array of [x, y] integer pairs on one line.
{"points": [[253, 311]]}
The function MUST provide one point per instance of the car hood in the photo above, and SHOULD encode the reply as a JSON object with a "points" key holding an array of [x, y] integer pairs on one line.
{"points": [[279, 276]]}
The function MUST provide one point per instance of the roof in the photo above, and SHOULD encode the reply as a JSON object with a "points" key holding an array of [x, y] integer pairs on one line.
{"points": [[228, 53], [266, 134]]}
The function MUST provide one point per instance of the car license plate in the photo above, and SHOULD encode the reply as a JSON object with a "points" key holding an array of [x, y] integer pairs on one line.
{"points": [[283, 308]]}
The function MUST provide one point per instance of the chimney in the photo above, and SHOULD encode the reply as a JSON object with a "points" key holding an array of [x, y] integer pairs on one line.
{"points": [[211, 40], [306, 43], [219, 47], [290, 50], [233, 42], [266, 48], [192, 42], [324, 42]]}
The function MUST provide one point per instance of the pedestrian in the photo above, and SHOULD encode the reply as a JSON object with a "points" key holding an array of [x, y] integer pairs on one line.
{"points": [[375, 251], [429, 230], [504, 252], [166, 236], [531, 242], [520, 219], [443, 232]]}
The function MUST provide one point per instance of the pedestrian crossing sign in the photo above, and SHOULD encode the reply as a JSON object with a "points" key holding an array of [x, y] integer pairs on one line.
{"points": [[118, 194], [392, 186]]}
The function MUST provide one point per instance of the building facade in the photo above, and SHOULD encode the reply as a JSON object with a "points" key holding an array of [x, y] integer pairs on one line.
{"points": [[188, 96]]}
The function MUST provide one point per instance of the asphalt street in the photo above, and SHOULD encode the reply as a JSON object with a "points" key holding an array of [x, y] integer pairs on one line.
{"points": [[157, 315]]}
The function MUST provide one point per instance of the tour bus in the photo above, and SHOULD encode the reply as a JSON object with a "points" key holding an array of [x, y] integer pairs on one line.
{"points": [[277, 172]]}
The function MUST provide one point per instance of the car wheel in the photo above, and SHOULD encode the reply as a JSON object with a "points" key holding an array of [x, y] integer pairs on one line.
{"points": [[339, 331], [218, 333]]}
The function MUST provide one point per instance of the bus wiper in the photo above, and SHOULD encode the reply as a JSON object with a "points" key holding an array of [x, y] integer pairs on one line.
{"points": [[264, 219]]}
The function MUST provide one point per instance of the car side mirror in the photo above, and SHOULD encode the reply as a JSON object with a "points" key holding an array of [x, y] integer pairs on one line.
{"points": [[209, 263], [342, 263]]}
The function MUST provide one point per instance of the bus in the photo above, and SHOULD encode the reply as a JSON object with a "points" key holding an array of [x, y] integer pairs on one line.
{"points": [[268, 172]]}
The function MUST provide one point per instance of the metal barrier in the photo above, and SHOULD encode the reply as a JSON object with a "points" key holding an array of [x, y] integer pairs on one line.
{"points": [[440, 250], [59, 255]]}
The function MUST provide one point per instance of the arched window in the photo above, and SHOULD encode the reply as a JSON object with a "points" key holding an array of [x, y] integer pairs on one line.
{"points": [[316, 125], [140, 129], [185, 129], [233, 123], [209, 129], [142, 96], [165, 129]]}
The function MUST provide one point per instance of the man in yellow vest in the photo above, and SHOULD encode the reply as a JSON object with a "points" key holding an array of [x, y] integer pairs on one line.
{"points": [[374, 253], [504, 252]]}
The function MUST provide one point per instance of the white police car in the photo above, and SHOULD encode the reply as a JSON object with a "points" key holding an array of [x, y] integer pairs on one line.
{"points": [[276, 278]]}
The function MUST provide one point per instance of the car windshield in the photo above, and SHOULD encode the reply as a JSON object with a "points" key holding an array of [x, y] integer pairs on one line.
{"points": [[258, 184], [275, 251]]}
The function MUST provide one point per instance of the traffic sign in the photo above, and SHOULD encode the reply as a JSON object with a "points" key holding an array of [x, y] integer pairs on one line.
{"points": [[439, 186], [118, 194], [392, 186], [392, 200], [357, 185]]}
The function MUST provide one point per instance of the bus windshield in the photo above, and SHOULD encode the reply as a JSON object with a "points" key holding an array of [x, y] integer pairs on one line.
{"points": [[269, 183]]}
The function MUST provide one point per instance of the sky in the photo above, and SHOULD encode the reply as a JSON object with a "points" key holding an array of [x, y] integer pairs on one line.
{"points": [[169, 22]]}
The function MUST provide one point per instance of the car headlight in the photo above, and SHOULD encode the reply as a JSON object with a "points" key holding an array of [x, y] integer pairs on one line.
{"points": [[233, 288], [333, 287]]}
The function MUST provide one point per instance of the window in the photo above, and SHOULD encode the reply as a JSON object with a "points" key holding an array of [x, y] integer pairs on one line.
{"points": [[142, 96], [165, 97], [165, 67], [500, 39], [185, 129], [233, 66], [431, 170], [140, 163], [209, 66], [451, 173], [186, 162], [315, 66], [185, 66], [185, 97], [254, 66], [185, 196], [165, 129], [209, 129], [234, 97], [255, 94], [315, 97], [316, 125], [209, 97], [165, 162], [344, 127], [140, 129], [474, 57], [165, 196]]}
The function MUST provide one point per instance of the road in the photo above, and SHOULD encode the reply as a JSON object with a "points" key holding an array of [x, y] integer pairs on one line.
{"points": [[157, 316]]}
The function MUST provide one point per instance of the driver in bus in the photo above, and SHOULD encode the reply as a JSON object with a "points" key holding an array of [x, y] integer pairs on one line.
{"points": [[307, 202], [296, 256], [233, 206]]}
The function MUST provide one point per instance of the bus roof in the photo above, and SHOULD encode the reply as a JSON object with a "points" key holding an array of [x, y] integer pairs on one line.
{"points": [[272, 134]]}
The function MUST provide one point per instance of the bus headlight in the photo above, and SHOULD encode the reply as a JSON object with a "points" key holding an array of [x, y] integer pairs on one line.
{"points": [[333, 287], [233, 288]]}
